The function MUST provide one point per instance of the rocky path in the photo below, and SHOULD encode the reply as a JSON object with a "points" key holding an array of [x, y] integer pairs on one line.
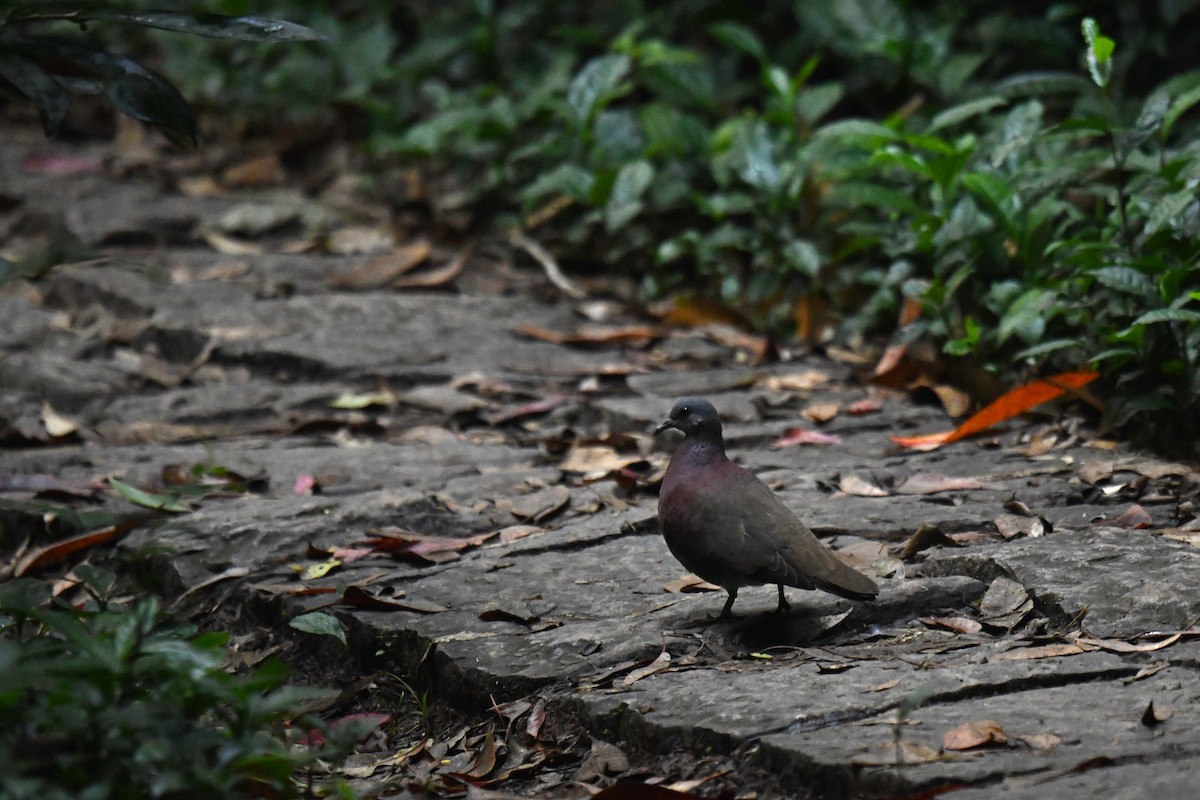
{"points": [[504, 485]]}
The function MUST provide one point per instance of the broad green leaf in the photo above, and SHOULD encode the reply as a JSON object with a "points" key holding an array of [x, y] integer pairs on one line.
{"points": [[739, 37], [598, 82], [1127, 280], [753, 156], [995, 193], [625, 199], [1168, 315], [1180, 106], [896, 157], [1045, 348], [875, 195], [1026, 317], [1168, 209], [863, 129], [803, 256], [1040, 83], [966, 111], [146, 97], [569, 179], [158, 502], [1099, 53], [216, 26], [817, 100], [47, 95], [320, 623]]}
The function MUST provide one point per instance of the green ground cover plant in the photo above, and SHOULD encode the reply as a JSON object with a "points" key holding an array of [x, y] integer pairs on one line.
{"points": [[113, 700]]}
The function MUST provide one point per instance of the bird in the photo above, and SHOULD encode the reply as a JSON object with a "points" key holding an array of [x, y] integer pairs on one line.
{"points": [[727, 526]]}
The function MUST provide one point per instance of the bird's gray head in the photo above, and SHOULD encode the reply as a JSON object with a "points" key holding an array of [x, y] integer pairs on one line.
{"points": [[693, 415]]}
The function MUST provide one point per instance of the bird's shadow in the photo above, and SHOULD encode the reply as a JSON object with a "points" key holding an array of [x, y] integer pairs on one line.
{"points": [[764, 630]]}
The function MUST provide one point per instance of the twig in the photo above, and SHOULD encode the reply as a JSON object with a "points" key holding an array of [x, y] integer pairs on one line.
{"points": [[539, 254]]}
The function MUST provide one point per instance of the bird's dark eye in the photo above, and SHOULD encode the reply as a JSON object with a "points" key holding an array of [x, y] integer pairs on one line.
{"points": [[685, 410]]}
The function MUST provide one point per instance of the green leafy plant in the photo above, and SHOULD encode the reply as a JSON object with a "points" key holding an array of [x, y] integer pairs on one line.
{"points": [[113, 701], [44, 67]]}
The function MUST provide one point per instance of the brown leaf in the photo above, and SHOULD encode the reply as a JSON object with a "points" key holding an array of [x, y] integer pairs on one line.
{"points": [[537, 506], [820, 412], [852, 484], [689, 584], [1009, 405], [925, 537], [51, 553], [883, 687], [868, 405], [695, 312], [1134, 518], [955, 401], [604, 759], [1010, 526], [533, 726], [657, 665], [974, 734], [264, 170], [804, 381], [956, 624], [1121, 646], [1056, 650], [57, 426], [1153, 717], [358, 597], [596, 462], [433, 278], [360, 240], [422, 548], [1039, 741], [382, 270], [1004, 596], [798, 436], [524, 410], [928, 483], [628, 790], [593, 335], [888, 753]]}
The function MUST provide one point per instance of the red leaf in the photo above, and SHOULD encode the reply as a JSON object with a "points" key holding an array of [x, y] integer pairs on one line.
{"points": [[1009, 405]]}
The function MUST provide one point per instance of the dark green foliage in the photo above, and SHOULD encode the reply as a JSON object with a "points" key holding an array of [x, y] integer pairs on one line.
{"points": [[113, 702], [44, 68]]}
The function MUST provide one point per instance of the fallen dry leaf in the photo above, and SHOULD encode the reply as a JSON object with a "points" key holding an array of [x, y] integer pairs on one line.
{"points": [[596, 462], [868, 405], [956, 624], [51, 553], [974, 734], [1010, 525], [57, 426], [1009, 405], [883, 687], [1121, 646], [860, 487], [357, 597], [925, 537], [1152, 717], [887, 754], [1134, 518], [799, 436], [690, 583], [820, 412], [593, 335], [381, 270], [264, 170], [956, 402], [1039, 741], [928, 483], [537, 506], [657, 665], [804, 381], [1057, 650], [524, 410], [431, 279]]}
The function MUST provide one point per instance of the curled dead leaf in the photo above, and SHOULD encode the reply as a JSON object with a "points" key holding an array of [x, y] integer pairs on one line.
{"points": [[978, 733], [799, 436]]}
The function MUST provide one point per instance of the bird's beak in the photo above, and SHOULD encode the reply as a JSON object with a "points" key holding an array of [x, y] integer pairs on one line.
{"points": [[666, 424]]}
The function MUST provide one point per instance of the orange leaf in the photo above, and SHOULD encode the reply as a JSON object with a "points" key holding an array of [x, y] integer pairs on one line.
{"points": [[60, 550], [1009, 405]]}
